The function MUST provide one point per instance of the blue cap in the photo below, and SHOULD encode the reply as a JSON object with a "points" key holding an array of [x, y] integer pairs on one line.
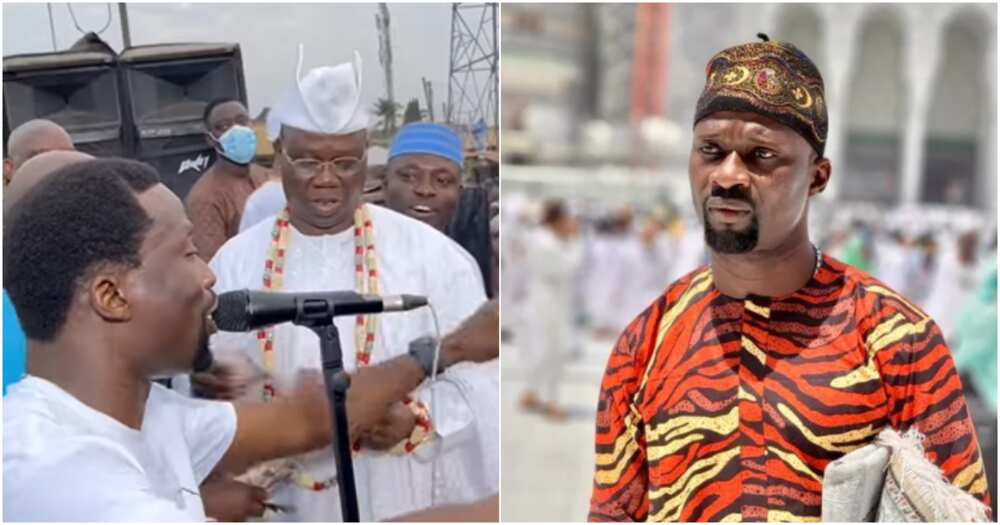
{"points": [[427, 138]]}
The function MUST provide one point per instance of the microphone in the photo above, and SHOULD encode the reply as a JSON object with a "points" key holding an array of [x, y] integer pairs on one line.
{"points": [[247, 310]]}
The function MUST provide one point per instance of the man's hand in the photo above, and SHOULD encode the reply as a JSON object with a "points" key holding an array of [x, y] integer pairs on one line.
{"points": [[221, 381], [300, 421], [310, 400], [227, 500], [397, 425], [367, 404], [476, 339], [294, 422]]}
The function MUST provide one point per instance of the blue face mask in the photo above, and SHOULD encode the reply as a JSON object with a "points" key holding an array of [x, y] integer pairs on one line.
{"points": [[239, 144]]}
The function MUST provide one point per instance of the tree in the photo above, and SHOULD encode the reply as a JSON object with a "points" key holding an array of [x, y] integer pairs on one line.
{"points": [[387, 112], [412, 113]]}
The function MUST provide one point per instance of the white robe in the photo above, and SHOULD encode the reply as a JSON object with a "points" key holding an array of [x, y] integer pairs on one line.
{"points": [[602, 280], [413, 258], [550, 309], [890, 267], [265, 202], [515, 245], [643, 275], [690, 253], [951, 285]]}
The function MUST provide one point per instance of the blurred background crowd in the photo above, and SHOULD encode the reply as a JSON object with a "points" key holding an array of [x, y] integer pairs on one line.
{"points": [[598, 102]]}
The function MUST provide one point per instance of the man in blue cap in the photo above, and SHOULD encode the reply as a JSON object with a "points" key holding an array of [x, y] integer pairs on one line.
{"points": [[424, 181], [424, 174]]}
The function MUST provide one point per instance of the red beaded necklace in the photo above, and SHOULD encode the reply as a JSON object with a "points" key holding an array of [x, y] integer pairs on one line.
{"points": [[364, 257], [364, 328], [365, 282]]}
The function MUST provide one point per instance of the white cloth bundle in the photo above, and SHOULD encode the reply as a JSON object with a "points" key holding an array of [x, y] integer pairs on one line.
{"points": [[891, 480]]}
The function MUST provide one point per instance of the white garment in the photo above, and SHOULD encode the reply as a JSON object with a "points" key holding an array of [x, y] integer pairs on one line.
{"points": [[264, 203], [550, 306], [890, 267], [951, 285], [65, 461], [601, 284], [690, 253], [643, 276], [412, 258], [514, 246]]}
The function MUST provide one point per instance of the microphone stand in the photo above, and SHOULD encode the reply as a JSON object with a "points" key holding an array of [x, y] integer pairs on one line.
{"points": [[337, 382], [316, 311]]}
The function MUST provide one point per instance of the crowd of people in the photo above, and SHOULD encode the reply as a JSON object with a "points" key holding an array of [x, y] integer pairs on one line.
{"points": [[110, 283], [745, 334], [627, 256]]}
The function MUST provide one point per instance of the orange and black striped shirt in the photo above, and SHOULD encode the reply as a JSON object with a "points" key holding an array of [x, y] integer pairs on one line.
{"points": [[722, 409]]}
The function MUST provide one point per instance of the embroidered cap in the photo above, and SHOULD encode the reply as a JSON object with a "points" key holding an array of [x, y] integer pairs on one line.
{"points": [[774, 79], [427, 138], [326, 100]]}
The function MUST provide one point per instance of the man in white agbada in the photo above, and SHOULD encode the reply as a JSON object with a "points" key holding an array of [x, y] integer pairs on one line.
{"points": [[646, 259], [554, 258], [327, 239], [602, 292], [954, 281]]}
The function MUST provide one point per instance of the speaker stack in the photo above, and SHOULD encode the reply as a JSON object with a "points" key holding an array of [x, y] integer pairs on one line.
{"points": [[169, 87], [76, 89], [145, 103]]}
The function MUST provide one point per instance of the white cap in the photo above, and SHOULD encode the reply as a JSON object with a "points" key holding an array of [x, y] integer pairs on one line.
{"points": [[327, 100]]}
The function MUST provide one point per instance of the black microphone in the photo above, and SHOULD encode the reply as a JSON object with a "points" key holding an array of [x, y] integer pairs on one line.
{"points": [[246, 310]]}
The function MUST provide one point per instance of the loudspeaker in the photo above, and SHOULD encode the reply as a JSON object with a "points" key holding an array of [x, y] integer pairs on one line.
{"points": [[79, 90], [169, 86]]}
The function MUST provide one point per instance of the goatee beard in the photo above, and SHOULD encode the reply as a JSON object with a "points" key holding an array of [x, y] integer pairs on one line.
{"points": [[731, 241]]}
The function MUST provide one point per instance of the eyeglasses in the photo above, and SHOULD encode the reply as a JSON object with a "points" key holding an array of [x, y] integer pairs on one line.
{"points": [[341, 166]]}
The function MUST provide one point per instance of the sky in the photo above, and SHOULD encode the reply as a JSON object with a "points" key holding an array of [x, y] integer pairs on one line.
{"points": [[268, 35]]}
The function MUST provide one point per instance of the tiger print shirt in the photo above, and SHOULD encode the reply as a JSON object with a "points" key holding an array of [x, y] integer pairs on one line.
{"points": [[722, 409]]}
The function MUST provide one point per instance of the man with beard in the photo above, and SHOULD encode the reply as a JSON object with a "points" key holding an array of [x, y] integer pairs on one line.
{"points": [[726, 399], [101, 266], [226, 500], [102, 270]]}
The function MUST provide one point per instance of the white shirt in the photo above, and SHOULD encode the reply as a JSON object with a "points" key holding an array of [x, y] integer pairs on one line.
{"points": [[642, 275], [64, 461], [890, 267], [554, 263], [412, 258], [600, 289], [690, 253], [951, 285], [266, 201]]}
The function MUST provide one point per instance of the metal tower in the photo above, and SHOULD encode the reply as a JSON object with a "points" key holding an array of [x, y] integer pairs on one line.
{"points": [[472, 83], [385, 49]]}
